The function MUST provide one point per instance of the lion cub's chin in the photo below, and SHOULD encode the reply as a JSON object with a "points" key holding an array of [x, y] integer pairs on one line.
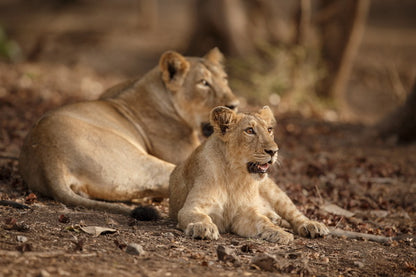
{"points": [[259, 176]]}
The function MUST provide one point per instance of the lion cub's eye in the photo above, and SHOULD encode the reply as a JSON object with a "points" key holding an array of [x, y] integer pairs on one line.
{"points": [[270, 130], [250, 131]]}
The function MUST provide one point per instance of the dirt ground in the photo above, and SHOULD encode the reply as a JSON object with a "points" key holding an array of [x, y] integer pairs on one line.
{"points": [[321, 163], [371, 182]]}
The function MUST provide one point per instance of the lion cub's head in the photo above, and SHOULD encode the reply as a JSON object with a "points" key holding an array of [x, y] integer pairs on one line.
{"points": [[197, 84], [248, 138]]}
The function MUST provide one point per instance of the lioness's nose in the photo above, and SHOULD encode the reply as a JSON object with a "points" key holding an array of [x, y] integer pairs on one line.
{"points": [[233, 105], [271, 152]]}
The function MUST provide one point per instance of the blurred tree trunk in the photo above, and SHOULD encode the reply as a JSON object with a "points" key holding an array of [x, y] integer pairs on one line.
{"points": [[341, 25], [303, 22], [235, 26], [216, 26], [402, 122]]}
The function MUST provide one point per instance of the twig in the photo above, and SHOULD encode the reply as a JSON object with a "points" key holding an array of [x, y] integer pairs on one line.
{"points": [[9, 158], [160, 256], [13, 204], [356, 235], [318, 191], [50, 254], [339, 221]]}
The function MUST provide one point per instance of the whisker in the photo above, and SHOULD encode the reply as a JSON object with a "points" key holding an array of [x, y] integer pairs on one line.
{"points": [[278, 161]]}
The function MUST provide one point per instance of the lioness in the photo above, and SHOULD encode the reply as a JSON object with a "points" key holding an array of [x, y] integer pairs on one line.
{"points": [[223, 186], [124, 145]]}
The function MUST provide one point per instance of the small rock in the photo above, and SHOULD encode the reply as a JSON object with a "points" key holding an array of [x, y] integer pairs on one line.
{"points": [[135, 249], [325, 260], [379, 213], [225, 254], [120, 245], [64, 218], [247, 248], [112, 222], [264, 262], [62, 272], [294, 255], [21, 239], [31, 198], [169, 235], [358, 264], [44, 273], [78, 244], [235, 242], [24, 247]]}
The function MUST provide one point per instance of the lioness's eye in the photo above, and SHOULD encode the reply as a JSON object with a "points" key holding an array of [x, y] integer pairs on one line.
{"points": [[205, 83], [270, 129], [250, 131]]}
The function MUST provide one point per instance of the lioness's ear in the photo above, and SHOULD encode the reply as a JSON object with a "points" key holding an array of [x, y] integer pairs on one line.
{"points": [[267, 114], [215, 56], [221, 118], [174, 68]]}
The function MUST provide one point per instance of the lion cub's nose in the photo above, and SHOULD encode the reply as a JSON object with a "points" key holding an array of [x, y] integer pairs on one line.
{"points": [[271, 152]]}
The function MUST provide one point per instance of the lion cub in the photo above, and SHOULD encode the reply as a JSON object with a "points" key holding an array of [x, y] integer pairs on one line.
{"points": [[223, 186]]}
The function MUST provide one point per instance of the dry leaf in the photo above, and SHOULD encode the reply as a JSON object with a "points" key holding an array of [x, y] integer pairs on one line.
{"points": [[97, 230]]}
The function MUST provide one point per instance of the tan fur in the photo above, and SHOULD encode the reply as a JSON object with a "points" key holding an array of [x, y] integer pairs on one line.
{"points": [[213, 191], [124, 145]]}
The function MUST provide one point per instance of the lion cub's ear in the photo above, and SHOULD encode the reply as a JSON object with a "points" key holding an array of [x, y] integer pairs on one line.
{"points": [[221, 118], [215, 56], [267, 114], [174, 68]]}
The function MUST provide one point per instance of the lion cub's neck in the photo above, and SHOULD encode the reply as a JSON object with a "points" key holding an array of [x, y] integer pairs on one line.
{"points": [[234, 172]]}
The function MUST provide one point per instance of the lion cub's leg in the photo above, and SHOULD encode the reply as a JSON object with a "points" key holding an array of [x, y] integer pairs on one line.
{"points": [[249, 222], [288, 211], [194, 218]]}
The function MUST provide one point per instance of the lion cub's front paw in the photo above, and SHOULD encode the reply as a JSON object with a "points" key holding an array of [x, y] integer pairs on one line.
{"points": [[201, 230], [312, 229], [276, 235]]}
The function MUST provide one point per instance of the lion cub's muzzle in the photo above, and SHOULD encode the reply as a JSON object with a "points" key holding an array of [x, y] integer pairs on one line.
{"points": [[262, 168]]}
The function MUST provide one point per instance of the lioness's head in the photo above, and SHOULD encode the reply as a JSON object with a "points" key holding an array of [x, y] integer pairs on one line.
{"points": [[197, 84], [248, 137]]}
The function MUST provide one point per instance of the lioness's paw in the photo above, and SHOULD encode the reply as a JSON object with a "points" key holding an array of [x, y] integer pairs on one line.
{"points": [[201, 230], [276, 235], [312, 229]]}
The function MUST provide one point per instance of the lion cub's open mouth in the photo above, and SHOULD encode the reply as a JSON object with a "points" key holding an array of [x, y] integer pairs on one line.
{"points": [[255, 167]]}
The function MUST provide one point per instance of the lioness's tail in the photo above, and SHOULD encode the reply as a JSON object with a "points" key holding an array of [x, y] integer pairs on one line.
{"points": [[66, 195]]}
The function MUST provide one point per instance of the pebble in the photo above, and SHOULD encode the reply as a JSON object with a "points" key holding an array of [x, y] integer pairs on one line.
{"points": [[21, 239], [135, 249], [225, 254], [44, 273], [264, 262], [358, 264]]}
